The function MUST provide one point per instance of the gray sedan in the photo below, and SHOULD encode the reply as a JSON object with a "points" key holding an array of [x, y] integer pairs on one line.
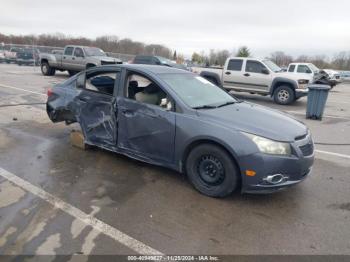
{"points": [[174, 118]]}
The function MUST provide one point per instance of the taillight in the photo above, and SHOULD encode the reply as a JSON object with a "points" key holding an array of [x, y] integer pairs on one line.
{"points": [[49, 92]]}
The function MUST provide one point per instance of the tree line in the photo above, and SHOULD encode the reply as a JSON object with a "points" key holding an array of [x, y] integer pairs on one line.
{"points": [[108, 43]]}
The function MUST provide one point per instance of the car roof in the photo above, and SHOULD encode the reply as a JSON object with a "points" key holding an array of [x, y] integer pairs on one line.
{"points": [[154, 69]]}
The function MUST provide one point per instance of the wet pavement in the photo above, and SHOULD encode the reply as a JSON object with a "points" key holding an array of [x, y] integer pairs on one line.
{"points": [[153, 205]]}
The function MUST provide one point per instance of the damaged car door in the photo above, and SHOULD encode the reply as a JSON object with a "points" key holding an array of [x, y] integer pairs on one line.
{"points": [[146, 119], [96, 106]]}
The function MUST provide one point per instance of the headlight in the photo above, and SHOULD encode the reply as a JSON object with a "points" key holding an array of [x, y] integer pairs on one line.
{"points": [[268, 146]]}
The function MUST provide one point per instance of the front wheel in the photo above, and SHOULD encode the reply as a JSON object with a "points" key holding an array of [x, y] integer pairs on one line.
{"points": [[284, 95], [212, 171]]}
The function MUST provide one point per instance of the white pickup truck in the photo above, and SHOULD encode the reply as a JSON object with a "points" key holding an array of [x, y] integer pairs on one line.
{"points": [[257, 76], [314, 72]]}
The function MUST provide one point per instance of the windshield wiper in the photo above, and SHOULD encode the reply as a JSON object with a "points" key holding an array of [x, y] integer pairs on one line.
{"points": [[227, 103], [204, 107]]}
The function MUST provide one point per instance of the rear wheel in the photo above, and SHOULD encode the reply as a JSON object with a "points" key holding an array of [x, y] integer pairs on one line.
{"points": [[284, 95], [212, 171]]}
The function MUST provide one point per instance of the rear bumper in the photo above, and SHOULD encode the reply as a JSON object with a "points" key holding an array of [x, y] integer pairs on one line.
{"points": [[25, 61]]}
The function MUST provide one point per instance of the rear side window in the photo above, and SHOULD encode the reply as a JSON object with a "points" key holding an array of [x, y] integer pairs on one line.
{"points": [[68, 51], [291, 68], [235, 65], [303, 69], [102, 82], [254, 67]]}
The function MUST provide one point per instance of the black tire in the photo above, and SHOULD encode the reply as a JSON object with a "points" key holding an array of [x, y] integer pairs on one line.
{"points": [[71, 73], [212, 171], [284, 95], [46, 69]]}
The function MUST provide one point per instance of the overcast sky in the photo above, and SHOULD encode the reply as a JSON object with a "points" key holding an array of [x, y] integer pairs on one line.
{"points": [[296, 27]]}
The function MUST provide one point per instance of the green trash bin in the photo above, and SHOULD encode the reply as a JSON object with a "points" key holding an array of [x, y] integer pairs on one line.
{"points": [[316, 101]]}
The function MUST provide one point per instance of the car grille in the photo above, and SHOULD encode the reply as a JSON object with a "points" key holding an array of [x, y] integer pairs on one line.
{"points": [[307, 149]]}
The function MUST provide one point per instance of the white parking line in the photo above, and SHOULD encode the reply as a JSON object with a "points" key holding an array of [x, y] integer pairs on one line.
{"points": [[100, 226], [21, 89], [333, 154]]}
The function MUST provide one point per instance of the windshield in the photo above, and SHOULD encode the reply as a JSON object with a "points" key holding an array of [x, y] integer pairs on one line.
{"points": [[94, 51], [313, 67], [275, 68], [197, 92]]}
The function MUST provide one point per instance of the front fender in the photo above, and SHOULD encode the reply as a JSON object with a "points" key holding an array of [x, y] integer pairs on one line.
{"points": [[190, 132], [282, 80]]}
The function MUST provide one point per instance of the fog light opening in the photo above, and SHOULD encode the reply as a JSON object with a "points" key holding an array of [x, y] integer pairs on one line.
{"points": [[276, 179]]}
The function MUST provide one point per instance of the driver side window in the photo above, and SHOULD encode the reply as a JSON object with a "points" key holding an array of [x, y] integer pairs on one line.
{"points": [[303, 69], [144, 90], [254, 67], [78, 52]]}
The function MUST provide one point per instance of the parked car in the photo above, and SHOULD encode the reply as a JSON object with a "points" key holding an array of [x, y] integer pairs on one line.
{"points": [[75, 59], [177, 119], [257, 76], [157, 60], [345, 75], [11, 55], [28, 56], [2, 56]]}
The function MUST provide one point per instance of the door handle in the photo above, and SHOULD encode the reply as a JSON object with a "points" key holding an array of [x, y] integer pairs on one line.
{"points": [[246, 74], [73, 58], [228, 73], [64, 57]]}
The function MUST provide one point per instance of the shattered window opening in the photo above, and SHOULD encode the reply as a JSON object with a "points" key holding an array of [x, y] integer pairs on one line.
{"points": [[144, 90], [102, 82]]}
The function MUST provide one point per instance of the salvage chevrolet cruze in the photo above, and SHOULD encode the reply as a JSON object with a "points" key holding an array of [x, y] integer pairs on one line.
{"points": [[174, 118]]}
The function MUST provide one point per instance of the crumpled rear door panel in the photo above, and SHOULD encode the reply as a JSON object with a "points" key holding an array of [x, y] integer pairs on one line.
{"points": [[97, 118]]}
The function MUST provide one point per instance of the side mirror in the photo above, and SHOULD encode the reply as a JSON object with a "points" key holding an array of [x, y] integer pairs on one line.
{"points": [[81, 81], [308, 71], [265, 71]]}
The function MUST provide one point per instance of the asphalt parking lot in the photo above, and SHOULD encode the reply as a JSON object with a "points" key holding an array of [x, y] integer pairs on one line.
{"points": [[58, 199]]}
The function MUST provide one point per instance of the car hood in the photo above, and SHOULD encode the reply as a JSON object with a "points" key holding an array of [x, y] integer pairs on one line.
{"points": [[295, 76], [256, 119], [106, 58]]}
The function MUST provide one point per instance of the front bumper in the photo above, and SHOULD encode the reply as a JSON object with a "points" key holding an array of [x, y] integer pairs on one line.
{"points": [[301, 92], [294, 168]]}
